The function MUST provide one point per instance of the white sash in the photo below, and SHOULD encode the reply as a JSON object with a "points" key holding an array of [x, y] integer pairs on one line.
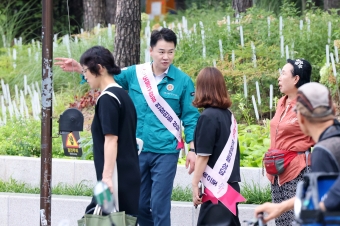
{"points": [[157, 104], [216, 179]]}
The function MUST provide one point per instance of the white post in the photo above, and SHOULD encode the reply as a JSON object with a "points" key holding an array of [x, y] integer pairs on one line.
{"points": [[329, 32], [333, 64], [16, 93], [233, 58], [255, 108], [221, 49], [4, 90], [204, 52], [228, 24], [258, 92], [281, 25], [241, 35], [25, 84], [301, 25], [308, 25], [336, 54], [270, 96], [254, 54], [287, 52], [282, 45], [245, 87], [270, 100], [327, 55]]}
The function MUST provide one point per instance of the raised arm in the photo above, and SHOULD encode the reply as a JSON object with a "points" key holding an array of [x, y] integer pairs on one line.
{"points": [[68, 65]]}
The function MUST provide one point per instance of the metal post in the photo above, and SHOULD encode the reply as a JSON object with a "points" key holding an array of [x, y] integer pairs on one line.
{"points": [[46, 116]]}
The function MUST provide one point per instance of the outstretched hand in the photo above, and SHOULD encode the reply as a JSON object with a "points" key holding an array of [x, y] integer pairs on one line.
{"points": [[271, 210], [68, 64]]}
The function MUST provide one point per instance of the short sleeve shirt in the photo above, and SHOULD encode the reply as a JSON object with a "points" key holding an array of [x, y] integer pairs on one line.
{"points": [[211, 135]]}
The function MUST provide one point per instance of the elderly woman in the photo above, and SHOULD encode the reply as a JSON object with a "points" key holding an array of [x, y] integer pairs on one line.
{"points": [[287, 137], [218, 155]]}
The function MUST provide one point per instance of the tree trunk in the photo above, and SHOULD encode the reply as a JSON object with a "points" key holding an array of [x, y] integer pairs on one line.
{"points": [[303, 5], [241, 6], [318, 3], [94, 13], [180, 5], [127, 37], [332, 4], [110, 13]]}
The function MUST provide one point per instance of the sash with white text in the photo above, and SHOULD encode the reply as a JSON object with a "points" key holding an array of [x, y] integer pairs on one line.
{"points": [[157, 104], [216, 179]]}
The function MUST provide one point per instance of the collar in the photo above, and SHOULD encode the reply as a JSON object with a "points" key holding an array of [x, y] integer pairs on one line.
{"points": [[332, 131], [285, 98], [165, 73], [111, 85]]}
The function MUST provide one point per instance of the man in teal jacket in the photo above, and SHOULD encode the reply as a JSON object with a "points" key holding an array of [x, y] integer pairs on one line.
{"points": [[158, 159]]}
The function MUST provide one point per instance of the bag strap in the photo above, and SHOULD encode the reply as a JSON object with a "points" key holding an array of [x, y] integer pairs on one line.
{"points": [[307, 154]]}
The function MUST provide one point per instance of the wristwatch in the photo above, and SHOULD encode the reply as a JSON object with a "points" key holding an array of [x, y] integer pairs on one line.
{"points": [[192, 149]]}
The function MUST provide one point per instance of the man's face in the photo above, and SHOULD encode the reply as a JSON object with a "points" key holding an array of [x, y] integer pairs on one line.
{"points": [[162, 54]]}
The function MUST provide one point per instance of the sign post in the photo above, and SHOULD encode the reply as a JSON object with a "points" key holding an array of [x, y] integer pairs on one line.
{"points": [[46, 114]]}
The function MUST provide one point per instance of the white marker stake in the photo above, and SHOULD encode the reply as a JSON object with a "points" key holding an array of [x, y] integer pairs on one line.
{"points": [[228, 24], [109, 31], [336, 54], [329, 31], [287, 52], [204, 52], [281, 25], [271, 97], [16, 94], [241, 35], [327, 55], [254, 54], [258, 92], [221, 49], [214, 62], [245, 87], [301, 25], [282, 46], [333, 64], [25, 84], [255, 108], [270, 100], [233, 58]]}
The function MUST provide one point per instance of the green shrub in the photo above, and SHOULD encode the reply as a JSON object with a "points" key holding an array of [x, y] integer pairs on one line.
{"points": [[23, 138]]}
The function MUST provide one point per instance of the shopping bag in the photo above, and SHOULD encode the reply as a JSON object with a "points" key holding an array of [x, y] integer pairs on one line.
{"points": [[117, 218]]}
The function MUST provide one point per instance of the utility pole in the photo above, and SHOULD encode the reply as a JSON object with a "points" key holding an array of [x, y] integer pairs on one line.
{"points": [[46, 115]]}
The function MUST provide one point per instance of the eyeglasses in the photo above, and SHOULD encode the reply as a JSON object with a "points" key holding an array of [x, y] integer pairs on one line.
{"points": [[84, 70]]}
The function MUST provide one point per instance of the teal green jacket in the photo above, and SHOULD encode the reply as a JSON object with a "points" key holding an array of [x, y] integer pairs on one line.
{"points": [[178, 91]]}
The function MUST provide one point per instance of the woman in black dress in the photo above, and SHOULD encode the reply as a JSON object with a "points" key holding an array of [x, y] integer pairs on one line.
{"points": [[113, 131], [218, 155]]}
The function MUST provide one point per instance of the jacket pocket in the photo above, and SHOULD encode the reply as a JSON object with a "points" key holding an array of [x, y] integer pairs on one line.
{"points": [[174, 101]]}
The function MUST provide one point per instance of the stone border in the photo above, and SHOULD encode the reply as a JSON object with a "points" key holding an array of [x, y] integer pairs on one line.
{"points": [[23, 209], [27, 169]]}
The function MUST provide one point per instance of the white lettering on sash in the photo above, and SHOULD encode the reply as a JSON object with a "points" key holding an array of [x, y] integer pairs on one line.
{"points": [[216, 179], [157, 104]]}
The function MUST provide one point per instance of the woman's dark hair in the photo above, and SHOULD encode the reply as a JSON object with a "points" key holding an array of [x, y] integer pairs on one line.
{"points": [[164, 34], [303, 69], [211, 90], [99, 55]]}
